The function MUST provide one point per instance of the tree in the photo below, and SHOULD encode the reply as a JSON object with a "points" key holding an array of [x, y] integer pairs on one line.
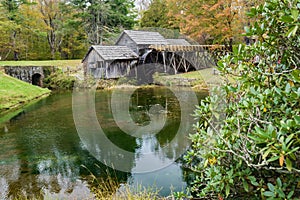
{"points": [[11, 10], [247, 140], [122, 14], [5, 35], [156, 15], [212, 21], [96, 21], [52, 16], [102, 19], [33, 34], [74, 39]]}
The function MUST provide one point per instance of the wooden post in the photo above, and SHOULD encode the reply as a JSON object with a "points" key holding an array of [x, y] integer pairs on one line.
{"points": [[184, 62], [174, 63], [181, 61], [164, 60]]}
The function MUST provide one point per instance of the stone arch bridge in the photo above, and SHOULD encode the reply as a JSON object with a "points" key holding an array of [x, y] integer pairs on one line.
{"points": [[30, 74]]}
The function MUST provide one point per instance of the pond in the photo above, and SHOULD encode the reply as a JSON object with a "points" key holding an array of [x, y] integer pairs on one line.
{"points": [[51, 149]]}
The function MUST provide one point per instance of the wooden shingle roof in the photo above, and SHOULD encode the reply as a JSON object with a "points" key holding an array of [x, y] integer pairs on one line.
{"points": [[178, 42], [113, 52], [145, 37]]}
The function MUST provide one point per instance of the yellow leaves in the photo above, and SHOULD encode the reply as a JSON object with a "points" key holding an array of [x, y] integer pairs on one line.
{"points": [[32, 17], [212, 161], [281, 160], [291, 83]]}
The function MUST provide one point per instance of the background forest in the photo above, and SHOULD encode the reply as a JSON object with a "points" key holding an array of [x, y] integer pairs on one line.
{"points": [[64, 29], [52, 29]]}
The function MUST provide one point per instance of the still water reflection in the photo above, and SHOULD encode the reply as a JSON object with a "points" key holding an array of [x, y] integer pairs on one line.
{"points": [[43, 156]]}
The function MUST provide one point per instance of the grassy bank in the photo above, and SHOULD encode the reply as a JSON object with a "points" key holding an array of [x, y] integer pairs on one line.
{"points": [[202, 79], [15, 93], [56, 63]]}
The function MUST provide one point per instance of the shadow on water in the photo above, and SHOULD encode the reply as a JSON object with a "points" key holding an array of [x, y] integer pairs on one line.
{"points": [[42, 154]]}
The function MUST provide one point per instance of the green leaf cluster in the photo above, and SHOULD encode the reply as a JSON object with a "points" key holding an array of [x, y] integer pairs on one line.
{"points": [[247, 138]]}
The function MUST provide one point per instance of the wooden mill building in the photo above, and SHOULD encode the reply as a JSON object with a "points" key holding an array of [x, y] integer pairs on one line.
{"points": [[139, 41], [109, 61], [148, 52]]}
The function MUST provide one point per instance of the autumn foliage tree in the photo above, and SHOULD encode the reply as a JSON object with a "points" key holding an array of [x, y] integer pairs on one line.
{"points": [[212, 21], [208, 22]]}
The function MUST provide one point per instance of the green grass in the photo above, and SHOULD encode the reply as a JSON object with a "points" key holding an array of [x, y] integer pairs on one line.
{"points": [[55, 63], [206, 75], [201, 79], [15, 93]]}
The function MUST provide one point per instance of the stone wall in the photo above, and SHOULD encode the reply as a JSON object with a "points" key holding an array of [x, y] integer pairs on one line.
{"points": [[31, 74]]}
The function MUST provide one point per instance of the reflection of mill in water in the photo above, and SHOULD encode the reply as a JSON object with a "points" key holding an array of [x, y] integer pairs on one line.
{"points": [[155, 112], [155, 151]]}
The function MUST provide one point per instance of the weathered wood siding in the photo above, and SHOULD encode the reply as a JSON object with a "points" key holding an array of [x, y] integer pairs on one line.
{"points": [[100, 69], [118, 68], [125, 40], [105, 62], [93, 65]]}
